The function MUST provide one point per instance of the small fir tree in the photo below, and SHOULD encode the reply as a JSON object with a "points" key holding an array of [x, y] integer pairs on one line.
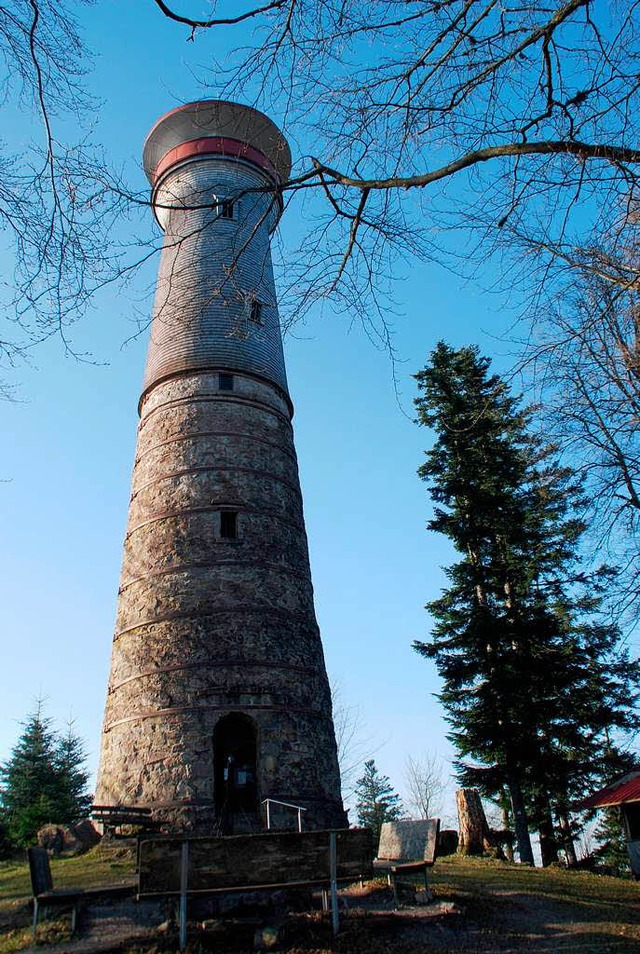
{"points": [[73, 800], [43, 781], [611, 849], [29, 779], [376, 801]]}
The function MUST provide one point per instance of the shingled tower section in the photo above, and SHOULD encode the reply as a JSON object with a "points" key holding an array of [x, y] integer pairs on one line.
{"points": [[218, 695]]}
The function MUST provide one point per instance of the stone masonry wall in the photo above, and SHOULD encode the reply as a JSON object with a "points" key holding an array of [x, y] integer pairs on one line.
{"points": [[208, 626]]}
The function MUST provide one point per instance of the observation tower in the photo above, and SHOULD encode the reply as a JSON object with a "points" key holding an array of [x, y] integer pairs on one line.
{"points": [[218, 695]]}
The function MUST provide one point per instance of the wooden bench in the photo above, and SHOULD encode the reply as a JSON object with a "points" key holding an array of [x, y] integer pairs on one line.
{"points": [[194, 866], [46, 896], [407, 848], [113, 817]]}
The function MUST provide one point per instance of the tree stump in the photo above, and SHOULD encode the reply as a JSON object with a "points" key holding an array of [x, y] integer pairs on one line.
{"points": [[474, 838]]}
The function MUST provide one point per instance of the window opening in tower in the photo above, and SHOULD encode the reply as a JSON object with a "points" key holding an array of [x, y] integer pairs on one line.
{"points": [[229, 524]]}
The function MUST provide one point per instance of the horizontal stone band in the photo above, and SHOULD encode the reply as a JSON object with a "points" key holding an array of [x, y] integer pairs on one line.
{"points": [[228, 706]]}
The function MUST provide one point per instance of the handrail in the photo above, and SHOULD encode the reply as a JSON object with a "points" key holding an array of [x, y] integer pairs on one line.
{"points": [[274, 801]]}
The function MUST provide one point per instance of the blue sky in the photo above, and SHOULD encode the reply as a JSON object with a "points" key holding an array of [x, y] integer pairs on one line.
{"points": [[69, 443]]}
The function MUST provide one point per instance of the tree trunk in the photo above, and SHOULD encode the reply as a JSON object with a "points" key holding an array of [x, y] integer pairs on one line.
{"points": [[520, 822], [548, 843], [474, 836], [506, 823], [567, 839]]}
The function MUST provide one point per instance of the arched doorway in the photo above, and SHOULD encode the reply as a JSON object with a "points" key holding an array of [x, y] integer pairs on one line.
{"points": [[234, 764]]}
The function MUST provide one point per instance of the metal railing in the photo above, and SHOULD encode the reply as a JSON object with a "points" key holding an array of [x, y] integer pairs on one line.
{"points": [[267, 802]]}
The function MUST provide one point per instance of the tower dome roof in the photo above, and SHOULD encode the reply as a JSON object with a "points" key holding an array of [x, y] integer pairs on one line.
{"points": [[221, 120]]}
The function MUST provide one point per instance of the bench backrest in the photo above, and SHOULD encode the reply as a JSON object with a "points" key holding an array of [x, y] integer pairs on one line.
{"points": [[409, 840], [253, 860], [40, 870], [115, 812]]}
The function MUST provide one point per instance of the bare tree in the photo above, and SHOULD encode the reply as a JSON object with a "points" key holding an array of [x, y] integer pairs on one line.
{"points": [[517, 121], [587, 370], [425, 785], [58, 201], [353, 745]]}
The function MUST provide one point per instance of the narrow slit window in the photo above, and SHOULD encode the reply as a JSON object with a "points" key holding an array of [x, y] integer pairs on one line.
{"points": [[227, 209], [225, 382], [229, 524], [255, 312]]}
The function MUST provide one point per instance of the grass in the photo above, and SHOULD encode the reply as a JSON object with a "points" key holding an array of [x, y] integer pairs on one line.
{"points": [[500, 908], [480, 874], [101, 866], [551, 909]]}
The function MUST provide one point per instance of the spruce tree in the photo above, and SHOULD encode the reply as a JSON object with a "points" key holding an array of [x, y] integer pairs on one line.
{"points": [[43, 781], [29, 780], [73, 801], [611, 849], [376, 801], [531, 678]]}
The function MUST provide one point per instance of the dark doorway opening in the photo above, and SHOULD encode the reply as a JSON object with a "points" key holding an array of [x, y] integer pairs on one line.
{"points": [[234, 761]]}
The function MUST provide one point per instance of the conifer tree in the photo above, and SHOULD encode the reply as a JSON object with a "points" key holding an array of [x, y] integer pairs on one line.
{"points": [[376, 801], [29, 780], [73, 801], [43, 781], [531, 678], [612, 842]]}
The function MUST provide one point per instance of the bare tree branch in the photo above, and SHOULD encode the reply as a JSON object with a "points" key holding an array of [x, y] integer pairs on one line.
{"points": [[222, 21], [587, 371], [426, 784]]}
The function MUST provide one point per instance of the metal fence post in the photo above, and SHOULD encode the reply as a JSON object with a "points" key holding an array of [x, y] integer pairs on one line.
{"points": [[184, 879], [333, 875]]}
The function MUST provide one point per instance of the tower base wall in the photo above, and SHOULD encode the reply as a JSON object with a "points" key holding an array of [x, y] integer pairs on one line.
{"points": [[213, 628]]}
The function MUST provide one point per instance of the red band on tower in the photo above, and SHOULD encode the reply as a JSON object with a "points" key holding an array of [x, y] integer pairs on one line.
{"points": [[214, 145]]}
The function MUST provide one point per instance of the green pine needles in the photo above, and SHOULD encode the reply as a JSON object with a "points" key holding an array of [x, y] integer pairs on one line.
{"points": [[44, 780], [535, 682], [376, 801]]}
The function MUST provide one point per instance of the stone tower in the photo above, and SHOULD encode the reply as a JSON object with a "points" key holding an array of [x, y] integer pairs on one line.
{"points": [[218, 695]]}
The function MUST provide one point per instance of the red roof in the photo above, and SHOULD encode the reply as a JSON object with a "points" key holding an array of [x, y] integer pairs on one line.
{"points": [[626, 789]]}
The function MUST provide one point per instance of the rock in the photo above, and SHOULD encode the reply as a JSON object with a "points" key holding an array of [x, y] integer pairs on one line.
{"points": [[447, 907], [87, 832], [447, 842], [68, 839]]}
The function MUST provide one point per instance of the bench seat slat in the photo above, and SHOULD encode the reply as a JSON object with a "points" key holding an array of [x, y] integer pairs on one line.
{"points": [[120, 809], [279, 885], [59, 895], [115, 816], [410, 866], [86, 894]]}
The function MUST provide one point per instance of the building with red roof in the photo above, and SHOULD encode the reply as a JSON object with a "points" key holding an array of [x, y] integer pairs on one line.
{"points": [[625, 795]]}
